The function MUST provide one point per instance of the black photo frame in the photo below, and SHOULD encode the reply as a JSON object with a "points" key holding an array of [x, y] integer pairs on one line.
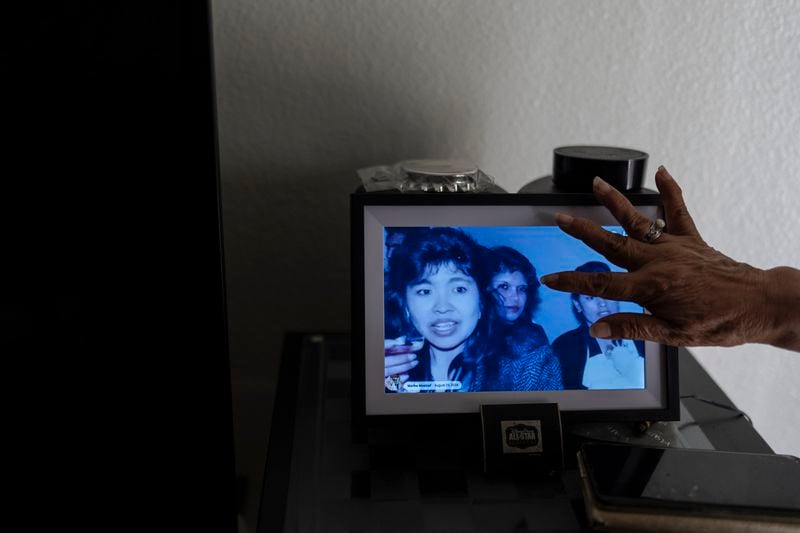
{"points": [[417, 205]]}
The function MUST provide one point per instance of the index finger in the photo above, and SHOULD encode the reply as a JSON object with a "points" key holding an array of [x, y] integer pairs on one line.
{"points": [[398, 364], [609, 285], [623, 251]]}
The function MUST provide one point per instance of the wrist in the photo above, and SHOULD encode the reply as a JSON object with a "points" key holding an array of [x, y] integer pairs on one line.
{"points": [[781, 308]]}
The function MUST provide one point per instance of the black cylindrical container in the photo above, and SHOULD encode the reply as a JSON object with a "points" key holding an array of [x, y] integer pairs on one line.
{"points": [[574, 167]]}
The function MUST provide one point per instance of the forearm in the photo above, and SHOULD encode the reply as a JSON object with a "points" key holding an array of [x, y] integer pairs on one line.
{"points": [[782, 308]]}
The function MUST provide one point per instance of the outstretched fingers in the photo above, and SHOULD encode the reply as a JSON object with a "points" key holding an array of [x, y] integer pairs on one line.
{"points": [[679, 221], [620, 250], [636, 326], [608, 285]]}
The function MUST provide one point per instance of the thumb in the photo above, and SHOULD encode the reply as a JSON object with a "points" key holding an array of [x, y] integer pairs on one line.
{"points": [[388, 343], [633, 326]]}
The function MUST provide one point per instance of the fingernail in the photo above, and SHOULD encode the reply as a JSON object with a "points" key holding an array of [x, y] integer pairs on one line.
{"points": [[563, 220], [412, 356], [549, 279], [415, 363], [661, 168], [601, 330], [600, 185]]}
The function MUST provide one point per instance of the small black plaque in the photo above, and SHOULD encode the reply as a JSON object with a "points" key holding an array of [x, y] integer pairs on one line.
{"points": [[522, 438]]}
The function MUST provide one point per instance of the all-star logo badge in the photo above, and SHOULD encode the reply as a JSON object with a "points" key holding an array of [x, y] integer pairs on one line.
{"points": [[521, 436]]}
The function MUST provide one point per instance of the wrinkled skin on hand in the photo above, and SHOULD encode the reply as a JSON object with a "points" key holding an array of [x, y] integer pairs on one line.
{"points": [[696, 295]]}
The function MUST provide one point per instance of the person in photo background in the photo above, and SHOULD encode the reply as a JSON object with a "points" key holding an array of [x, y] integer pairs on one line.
{"points": [[394, 325], [514, 286], [436, 278], [393, 239], [591, 363], [512, 292]]}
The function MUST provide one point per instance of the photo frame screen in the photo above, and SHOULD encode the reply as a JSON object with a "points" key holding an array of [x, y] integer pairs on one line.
{"points": [[454, 306]]}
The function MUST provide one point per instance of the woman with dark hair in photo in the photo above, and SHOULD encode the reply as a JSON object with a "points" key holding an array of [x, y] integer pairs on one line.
{"points": [[591, 363], [515, 288], [431, 285], [511, 288], [436, 276]]}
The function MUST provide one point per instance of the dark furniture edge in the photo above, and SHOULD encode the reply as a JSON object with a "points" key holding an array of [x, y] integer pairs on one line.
{"points": [[357, 348], [279, 449]]}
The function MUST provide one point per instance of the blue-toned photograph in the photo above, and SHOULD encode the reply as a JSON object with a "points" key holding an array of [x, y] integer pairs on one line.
{"points": [[464, 311]]}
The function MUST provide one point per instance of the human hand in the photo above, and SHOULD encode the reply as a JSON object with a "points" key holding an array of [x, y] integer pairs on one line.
{"points": [[626, 360], [697, 295], [400, 357]]}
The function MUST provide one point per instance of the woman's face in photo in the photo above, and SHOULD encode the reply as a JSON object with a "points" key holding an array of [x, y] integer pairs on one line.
{"points": [[512, 291], [593, 308], [444, 306]]}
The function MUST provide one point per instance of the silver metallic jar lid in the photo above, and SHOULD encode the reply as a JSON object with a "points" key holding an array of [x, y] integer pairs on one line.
{"points": [[440, 175]]}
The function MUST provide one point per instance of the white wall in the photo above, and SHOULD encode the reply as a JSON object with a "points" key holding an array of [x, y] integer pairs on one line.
{"points": [[308, 91]]}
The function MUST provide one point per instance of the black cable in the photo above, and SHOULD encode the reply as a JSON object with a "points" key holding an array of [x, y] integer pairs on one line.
{"points": [[739, 412]]}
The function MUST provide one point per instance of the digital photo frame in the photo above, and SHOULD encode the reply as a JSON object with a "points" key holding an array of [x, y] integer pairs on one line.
{"points": [[388, 319]]}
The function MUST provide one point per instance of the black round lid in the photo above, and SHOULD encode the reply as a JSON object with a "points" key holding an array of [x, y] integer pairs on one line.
{"points": [[574, 167]]}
